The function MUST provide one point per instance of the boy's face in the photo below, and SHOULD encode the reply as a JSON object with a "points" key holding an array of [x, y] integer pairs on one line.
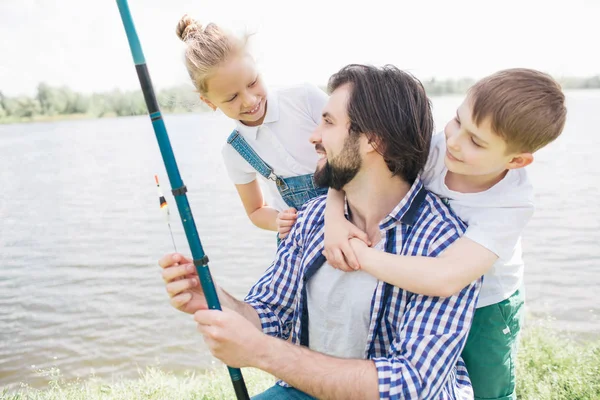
{"points": [[475, 150]]}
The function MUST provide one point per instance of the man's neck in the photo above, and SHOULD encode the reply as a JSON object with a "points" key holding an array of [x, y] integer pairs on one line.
{"points": [[371, 196]]}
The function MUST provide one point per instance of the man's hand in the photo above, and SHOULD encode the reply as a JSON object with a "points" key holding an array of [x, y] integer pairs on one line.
{"points": [[230, 337], [285, 220], [182, 283]]}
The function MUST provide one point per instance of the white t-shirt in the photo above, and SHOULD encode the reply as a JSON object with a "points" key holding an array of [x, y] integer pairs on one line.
{"points": [[495, 217], [339, 309], [282, 141]]}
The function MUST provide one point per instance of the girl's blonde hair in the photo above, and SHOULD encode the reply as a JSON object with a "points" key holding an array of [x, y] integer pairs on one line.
{"points": [[207, 48]]}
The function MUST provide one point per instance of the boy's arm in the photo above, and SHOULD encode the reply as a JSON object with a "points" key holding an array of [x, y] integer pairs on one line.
{"points": [[460, 264], [493, 233], [338, 230]]}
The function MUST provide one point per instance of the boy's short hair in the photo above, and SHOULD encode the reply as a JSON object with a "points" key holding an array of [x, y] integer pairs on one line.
{"points": [[525, 107]]}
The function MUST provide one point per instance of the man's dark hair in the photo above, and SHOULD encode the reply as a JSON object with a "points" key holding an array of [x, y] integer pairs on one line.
{"points": [[390, 107]]}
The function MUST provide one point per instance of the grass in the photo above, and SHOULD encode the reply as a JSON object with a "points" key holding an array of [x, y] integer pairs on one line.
{"points": [[555, 367], [153, 383], [550, 367]]}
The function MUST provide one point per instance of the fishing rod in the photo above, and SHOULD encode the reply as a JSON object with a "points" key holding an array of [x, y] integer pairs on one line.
{"points": [[177, 187]]}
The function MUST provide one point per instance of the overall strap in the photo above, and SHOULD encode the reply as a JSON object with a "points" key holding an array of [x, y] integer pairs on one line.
{"points": [[243, 148]]}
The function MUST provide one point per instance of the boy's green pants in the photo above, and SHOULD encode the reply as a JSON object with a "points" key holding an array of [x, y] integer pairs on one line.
{"points": [[491, 350]]}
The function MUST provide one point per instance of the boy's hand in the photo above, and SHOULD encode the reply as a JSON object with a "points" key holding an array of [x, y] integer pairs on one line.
{"points": [[182, 283], [285, 220], [338, 251]]}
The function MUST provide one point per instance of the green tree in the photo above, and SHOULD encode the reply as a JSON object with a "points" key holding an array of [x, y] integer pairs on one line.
{"points": [[27, 107], [3, 112]]}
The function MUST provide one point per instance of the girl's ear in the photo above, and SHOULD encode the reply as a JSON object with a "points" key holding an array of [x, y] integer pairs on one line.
{"points": [[208, 103]]}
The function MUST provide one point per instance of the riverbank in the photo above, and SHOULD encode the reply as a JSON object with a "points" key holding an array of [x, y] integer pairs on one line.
{"points": [[551, 366]]}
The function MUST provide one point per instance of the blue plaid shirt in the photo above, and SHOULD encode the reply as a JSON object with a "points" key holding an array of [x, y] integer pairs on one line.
{"points": [[415, 341]]}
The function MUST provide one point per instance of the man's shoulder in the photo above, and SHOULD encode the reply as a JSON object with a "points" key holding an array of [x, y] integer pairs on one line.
{"points": [[440, 213], [313, 211], [309, 224], [438, 224]]}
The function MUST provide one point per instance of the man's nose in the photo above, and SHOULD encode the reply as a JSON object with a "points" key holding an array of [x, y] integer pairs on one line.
{"points": [[315, 137]]}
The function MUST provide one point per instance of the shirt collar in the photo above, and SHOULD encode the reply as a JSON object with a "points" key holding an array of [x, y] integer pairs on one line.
{"points": [[272, 115]]}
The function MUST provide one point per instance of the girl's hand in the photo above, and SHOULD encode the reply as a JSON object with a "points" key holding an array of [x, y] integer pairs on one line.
{"points": [[285, 220]]}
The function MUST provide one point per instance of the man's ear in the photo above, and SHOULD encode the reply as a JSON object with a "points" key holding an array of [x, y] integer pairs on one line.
{"points": [[520, 160], [372, 144], [208, 103]]}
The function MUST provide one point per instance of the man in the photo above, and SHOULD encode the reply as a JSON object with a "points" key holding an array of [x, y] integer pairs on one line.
{"points": [[359, 337]]}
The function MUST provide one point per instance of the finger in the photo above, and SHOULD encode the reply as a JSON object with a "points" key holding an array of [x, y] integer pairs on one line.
{"points": [[288, 217], [181, 300], [336, 257], [286, 223], [329, 256], [340, 260], [359, 234], [177, 272], [211, 335], [208, 317], [175, 288], [171, 259], [283, 235], [350, 257]]}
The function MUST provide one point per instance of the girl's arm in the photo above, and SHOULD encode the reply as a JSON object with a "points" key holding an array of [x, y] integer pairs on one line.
{"points": [[445, 275], [259, 212]]}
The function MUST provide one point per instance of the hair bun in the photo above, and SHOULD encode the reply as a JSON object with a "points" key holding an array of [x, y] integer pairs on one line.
{"points": [[186, 27]]}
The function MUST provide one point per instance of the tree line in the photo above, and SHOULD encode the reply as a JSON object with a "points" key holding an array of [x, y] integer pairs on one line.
{"points": [[57, 102]]}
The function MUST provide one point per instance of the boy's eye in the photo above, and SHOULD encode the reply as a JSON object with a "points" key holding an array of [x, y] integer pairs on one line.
{"points": [[231, 99], [457, 120], [253, 83], [475, 143]]}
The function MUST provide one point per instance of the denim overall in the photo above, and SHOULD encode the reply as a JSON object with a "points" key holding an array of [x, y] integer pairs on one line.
{"points": [[295, 190]]}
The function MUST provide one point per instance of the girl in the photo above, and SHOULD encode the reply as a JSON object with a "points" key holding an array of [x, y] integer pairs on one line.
{"points": [[272, 126]]}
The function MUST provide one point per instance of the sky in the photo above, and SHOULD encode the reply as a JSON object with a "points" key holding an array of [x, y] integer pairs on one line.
{"points": [[82, 43]]}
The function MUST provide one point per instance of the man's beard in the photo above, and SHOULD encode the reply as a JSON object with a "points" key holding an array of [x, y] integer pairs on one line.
{"points": [[341, 169]]}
